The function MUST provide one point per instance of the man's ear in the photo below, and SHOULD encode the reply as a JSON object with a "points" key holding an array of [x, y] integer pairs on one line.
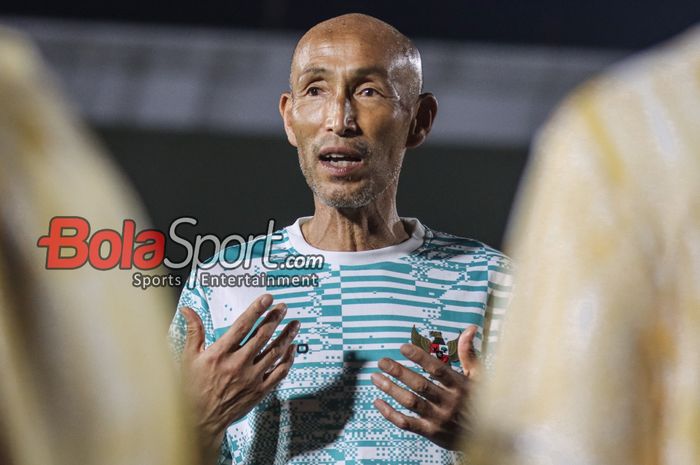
{"points": [[285, 108], [423, 121]]}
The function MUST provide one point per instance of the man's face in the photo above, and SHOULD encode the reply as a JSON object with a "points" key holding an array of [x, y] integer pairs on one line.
{"points": [[348, 116]]}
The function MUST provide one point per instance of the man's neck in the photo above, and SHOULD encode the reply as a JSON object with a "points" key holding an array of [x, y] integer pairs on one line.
{"points": [[354, 229]]}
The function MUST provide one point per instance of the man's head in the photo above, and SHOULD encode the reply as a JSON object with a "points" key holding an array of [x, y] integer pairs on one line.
{"points": [[354, 107]]}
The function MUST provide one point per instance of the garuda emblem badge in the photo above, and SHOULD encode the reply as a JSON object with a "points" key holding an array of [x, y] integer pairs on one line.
{"points": [[445, 352]]}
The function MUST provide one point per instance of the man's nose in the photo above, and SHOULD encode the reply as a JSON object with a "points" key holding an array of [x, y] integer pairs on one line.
{"points": [[341, 118]]}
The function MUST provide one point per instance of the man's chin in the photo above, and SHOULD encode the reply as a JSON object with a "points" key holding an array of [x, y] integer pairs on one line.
{"points": [[346, 200]]}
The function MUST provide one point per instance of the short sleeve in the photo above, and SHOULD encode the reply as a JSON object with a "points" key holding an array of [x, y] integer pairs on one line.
{"points": [[500, 288]]}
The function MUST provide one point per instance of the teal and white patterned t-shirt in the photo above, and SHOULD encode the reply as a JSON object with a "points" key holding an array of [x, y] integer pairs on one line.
{"points": [[364, 308]]}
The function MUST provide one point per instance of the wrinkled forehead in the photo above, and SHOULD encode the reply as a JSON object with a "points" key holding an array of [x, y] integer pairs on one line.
{"points": [[348, 52]]}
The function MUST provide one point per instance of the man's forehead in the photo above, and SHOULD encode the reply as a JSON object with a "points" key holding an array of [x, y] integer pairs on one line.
{"points": [[358, 44], [325, 54], [358, 58]]}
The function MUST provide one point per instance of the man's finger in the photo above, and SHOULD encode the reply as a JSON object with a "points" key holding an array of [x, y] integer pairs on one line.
{"points": [[264, 331], [194, 339], [277, 374], [243, 324], [404, 397], [404, 422], [466, 352], [437, 369], [418, 383], [278, 347]]}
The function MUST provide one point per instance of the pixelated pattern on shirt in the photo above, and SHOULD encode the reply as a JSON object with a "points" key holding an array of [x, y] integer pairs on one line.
{"points": [[322, 412]]}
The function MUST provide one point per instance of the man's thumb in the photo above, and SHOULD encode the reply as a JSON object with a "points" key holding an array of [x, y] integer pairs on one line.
{"points": [[466, 352], [194, 340]]}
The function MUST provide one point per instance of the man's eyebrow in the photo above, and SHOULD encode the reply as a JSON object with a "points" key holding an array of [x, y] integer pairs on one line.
{"points": [[313, 70]]}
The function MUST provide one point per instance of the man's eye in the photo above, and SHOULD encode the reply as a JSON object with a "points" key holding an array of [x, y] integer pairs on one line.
{"points": [[368, 92], [313, 91]]}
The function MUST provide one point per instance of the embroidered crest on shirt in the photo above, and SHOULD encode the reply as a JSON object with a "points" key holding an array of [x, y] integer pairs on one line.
{"points": [[445, 352]]}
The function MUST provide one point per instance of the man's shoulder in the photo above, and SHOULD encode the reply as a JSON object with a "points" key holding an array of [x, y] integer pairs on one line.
{"points": [[453, 245]]}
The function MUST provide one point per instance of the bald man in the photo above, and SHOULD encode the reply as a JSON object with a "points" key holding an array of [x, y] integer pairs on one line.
{"points": [[388, 341]]}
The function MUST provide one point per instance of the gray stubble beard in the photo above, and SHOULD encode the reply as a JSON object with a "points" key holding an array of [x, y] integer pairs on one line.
{"points": [[357, 199]]}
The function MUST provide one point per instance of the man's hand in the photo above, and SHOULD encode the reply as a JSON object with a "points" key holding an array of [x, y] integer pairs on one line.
{"points": [[440, 407], [228, 379]]}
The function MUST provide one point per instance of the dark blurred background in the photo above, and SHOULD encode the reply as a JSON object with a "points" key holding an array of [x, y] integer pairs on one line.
{"points": [[185, 96], [620, 24]]}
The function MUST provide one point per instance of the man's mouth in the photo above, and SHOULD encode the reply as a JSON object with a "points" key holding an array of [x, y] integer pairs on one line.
{"points": [[340, 161]]}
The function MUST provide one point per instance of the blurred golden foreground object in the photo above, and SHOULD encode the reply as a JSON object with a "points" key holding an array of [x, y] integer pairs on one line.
{"points": [[600, 358], [85, 373]]}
